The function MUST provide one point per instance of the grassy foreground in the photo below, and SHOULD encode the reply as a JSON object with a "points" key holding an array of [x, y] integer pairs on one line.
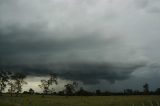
{"points": [[80, 101]]}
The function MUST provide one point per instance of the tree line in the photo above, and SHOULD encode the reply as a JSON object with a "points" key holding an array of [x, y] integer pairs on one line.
{"points": [[15, 81]]}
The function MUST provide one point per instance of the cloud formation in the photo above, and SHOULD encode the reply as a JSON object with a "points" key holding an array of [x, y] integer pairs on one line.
{"points": [[88, 73], [88, 40]]}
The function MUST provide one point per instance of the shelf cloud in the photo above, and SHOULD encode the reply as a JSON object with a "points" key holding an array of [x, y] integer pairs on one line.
{"points": [[86, 40]]}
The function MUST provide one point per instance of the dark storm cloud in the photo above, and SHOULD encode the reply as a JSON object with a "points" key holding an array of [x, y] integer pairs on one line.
{"points": [[20, 45], [94, 73], [88, 73], [15, 49], [86, 40], [24, 44]]}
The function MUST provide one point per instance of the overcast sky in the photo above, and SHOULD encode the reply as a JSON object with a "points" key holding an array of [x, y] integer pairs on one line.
{"points": [[105, 44]]}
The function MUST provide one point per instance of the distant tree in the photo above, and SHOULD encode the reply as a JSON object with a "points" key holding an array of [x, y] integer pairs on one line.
{"points": [[12, 87], [136, 92], [52, 80], [70, 88], [52, 91], [11, 84], [82, 92], [61, 93], [18, 78], [98, 92], [157, 91], [31, 91], [44, 87], [107, 93], [3, 80], [46, 84], [146, 88], [128, 91], [25, 92]]}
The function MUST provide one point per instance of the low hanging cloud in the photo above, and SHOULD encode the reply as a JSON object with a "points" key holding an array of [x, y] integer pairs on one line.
{"points": [[87, 73], [86, 40], [31, 45], [94, 73], [79, 58]]}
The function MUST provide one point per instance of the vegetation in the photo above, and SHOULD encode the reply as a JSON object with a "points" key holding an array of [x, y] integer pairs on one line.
{"points": [[70, 89], [46, 85], [3, 81], [15, 82], [19, 81], [146, 88], [71, 95], [28, 100]]}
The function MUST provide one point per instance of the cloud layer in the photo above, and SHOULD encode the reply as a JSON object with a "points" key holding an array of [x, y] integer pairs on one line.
{"points": [[85, 40], [88, 73]]}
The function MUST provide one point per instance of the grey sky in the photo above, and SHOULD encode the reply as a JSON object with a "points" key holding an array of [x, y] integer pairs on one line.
{"points": [[86, 40]]}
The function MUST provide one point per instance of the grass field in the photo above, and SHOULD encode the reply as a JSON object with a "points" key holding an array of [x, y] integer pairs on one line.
{"points": [[80, 101]]}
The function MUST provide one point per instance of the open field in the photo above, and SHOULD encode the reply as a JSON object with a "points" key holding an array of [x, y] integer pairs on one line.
{"points": [[80, 101]]}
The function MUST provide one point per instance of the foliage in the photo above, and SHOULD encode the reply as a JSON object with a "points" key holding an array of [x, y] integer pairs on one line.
{"points": [[146, 88], [11, 84], [46, 84], [19, 81], [3, 80], [71, 88], [31, 91], [12, 87]]}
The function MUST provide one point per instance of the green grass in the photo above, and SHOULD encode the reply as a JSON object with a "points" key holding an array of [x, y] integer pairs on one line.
{"points": [[79, 101]]}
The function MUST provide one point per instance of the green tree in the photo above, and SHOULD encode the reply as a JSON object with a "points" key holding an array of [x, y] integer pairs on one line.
{"points": [[19, 81], [146, 88], [157, 91], [12, 87], [71, 88], [31, 91], [3, 81], [11, 84], [46, 85]]}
